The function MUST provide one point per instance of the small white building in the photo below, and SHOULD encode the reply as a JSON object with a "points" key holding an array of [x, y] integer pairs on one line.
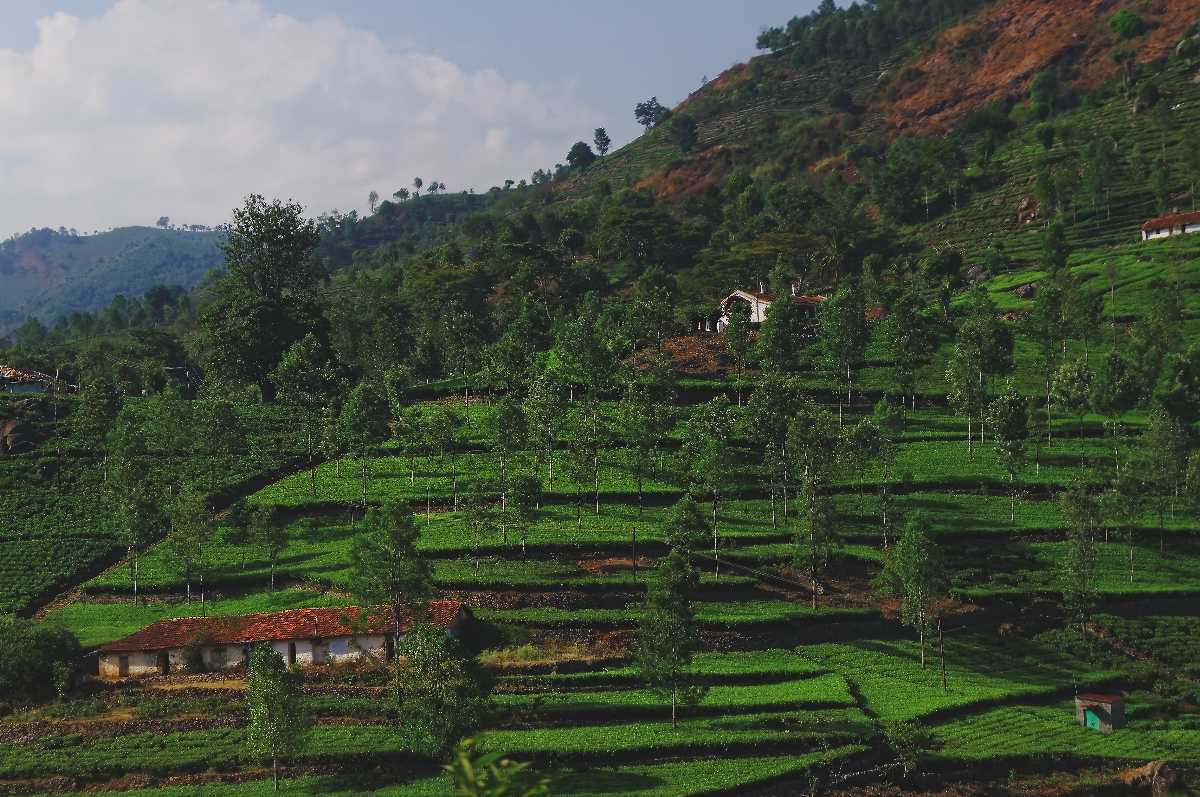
{"points": [[302, 637], [759, 302], [1171, 224], [21, 380]]}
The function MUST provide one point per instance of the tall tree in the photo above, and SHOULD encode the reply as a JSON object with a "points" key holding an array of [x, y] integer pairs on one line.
{"points": [[984, 341], [1072, 389], [906, 335], [817, 539], [1077, 575], [385, 566], [602, 141], [842, 332], [738, 338], [279, 722], [363, 421], [1009, 419], [267, 300], [916, 573], [649, 112], [544, 408], [642, 426], [889, 419], [307, 379], [667, 636], [191, 532], [1046, 325], [508, 432], [708, 454], [137, 495], [270, 532], [1162, 465], [441, 693], [580, 155]]}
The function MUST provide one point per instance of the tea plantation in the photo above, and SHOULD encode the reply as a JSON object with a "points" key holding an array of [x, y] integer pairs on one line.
{"points": [[799, 688]]}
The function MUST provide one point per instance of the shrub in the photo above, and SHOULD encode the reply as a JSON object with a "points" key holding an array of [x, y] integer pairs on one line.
{"points": [[1126, 24], [30, 652]]}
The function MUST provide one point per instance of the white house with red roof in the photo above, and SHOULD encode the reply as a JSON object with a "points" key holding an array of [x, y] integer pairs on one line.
{"points": [[301, 636], [1171, 224], [760, 301]]}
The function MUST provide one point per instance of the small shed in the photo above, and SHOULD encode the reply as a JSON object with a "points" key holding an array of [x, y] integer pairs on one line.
{"points": [[1104, 713]]}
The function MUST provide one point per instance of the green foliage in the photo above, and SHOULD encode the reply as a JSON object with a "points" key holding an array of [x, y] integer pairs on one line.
{"points": [[440, 693], [1126, 24], [491, 775], [908, 741], [915, 572], [1077, 574], [278, 722], [31, 652], [683, 131], [667, 637], [267, 300], [581, 155], [93, 269], [385, 566], [685, 525]]}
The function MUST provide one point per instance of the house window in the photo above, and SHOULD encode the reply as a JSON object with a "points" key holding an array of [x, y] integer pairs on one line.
{"points": [[291, 653], [320, 651]]}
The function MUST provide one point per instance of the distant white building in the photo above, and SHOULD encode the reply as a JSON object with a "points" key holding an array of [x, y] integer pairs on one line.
{"points": [[1171, 224], [301, 636], [760, 301]]}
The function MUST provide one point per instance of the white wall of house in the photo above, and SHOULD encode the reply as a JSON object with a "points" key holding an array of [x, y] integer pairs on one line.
{"points": [[307, 652], [758, 311], [1165, 232], [137, 664]]}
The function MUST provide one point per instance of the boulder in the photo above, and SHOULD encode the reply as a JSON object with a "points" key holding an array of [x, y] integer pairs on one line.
{"points": [[1156, 778], [1025, 291], [15, 438]]}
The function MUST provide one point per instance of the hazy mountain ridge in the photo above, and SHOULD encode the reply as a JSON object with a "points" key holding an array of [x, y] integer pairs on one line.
{"points": [[48, 274]]}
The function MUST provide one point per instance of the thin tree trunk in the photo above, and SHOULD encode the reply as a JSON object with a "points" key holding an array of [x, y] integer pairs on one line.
{"points": [[275, 772], [922, 633], [942, 653]]}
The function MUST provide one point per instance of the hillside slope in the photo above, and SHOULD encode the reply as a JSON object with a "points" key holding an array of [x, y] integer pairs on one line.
{"points": [[48, 274], [775, 118]]}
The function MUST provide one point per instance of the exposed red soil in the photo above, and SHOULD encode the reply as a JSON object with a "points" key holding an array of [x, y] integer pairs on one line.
{"points": [[614, 564], [692, 176], [995, 54], [701, 354]]}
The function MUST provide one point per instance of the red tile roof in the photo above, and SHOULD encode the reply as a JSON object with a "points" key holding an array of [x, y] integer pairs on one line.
{"points": [[1172, 220], [1096, 697], [770, 297], [321, 623]]}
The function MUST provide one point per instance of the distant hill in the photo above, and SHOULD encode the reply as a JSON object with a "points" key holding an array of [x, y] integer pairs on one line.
{"points": [[51, 273]]}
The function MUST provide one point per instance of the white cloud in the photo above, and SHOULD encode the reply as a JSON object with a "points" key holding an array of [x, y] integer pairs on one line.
{"points": [[181, 107]]}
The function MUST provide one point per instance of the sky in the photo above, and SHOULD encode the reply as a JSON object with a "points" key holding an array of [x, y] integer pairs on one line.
{"points": [[117, 112]]}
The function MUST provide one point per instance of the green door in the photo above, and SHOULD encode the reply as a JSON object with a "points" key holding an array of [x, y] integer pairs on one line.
{"points": [[1091, 719]]}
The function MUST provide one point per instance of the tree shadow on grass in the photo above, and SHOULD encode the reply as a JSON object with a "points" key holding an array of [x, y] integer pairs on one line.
{"points": [[599, 781], [346, 783]]}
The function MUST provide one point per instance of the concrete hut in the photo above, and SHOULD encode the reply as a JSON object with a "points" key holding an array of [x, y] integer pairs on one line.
{"points": [[1104, 713], [303, 637]]}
